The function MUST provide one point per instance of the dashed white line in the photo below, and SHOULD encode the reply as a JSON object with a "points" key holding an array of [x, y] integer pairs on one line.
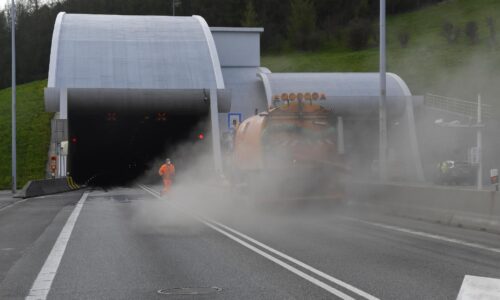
{"points": [[227, 231], [43, 282], [428, 235]]}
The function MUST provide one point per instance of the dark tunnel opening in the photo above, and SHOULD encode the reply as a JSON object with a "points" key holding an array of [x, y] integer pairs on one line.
{"points": [[109, 149]]}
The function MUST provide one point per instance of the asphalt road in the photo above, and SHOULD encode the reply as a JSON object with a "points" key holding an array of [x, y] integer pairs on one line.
{"points": [[128, 244]]}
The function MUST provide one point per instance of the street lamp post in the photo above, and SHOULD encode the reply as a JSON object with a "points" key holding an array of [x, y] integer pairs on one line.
{"points": [[479, 146], [382, 105], [14, 150]]}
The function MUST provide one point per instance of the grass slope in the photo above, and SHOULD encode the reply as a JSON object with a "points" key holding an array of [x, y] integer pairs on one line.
{"points": [[33, 133], [429, 63]]}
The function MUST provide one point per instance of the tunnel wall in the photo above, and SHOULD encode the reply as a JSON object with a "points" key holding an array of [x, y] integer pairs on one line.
{"points": [[346, 94]]}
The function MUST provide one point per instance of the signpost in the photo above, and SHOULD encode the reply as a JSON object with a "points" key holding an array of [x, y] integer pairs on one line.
{"points": [[494, 178], [231, 117]]}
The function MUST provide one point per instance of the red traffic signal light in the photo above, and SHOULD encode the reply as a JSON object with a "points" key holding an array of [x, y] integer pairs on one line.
{"points": [[161, 116], [201, 136]]}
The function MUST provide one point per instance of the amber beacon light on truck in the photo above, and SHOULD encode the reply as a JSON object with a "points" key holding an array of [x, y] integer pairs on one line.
{"points": [[286, 98]]}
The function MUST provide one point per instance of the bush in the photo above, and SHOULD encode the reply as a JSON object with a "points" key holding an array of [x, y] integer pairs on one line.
{"points": [[359, 32], [450, 32], [471, 31], [302, 24], [250, 18], [491, 29], [404, 38]]}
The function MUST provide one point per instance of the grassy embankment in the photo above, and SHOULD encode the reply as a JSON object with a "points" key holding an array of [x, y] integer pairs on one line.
{"points": [[33, 133], [429, 64]]}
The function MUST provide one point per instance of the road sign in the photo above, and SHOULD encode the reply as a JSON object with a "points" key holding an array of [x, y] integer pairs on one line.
{"points": [[53, 163], [494, 176], [233, 116]]}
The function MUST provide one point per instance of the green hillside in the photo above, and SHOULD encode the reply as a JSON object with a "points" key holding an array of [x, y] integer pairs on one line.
{"points": [[429, 63], [33, 133]]}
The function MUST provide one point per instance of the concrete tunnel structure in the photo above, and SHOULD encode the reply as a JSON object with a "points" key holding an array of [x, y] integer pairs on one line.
{"points": [[127, 90]]}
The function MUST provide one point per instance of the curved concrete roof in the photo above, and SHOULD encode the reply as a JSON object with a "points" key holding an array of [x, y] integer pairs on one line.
{"points": [[133, 52], [345, 92]]}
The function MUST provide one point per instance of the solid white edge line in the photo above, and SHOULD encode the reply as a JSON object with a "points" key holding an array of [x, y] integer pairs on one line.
{"points": [[213, 224], [43, 282], [428, 235], [13, 204]]}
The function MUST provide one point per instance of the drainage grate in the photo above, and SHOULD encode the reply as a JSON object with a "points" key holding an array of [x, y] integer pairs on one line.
{"points": [[190, 291]]}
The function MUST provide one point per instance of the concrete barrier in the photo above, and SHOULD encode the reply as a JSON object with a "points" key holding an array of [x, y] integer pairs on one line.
{"points": [[36, 188], [448, 205]]}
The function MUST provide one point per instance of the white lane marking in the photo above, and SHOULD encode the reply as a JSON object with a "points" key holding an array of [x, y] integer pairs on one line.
{"points": [[43, 282], [282, 263], [217, 227], [13, 204], [428, 235], [475, 287], [300, 263]]}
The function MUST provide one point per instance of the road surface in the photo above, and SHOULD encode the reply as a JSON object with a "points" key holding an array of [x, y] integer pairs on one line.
{"points": [[126, 243]]}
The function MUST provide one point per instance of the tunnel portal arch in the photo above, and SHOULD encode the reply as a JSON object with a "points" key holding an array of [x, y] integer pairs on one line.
{"points": [[110, 75]]}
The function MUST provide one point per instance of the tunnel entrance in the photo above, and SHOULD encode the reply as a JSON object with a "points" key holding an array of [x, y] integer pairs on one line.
{"points": [[114, 149]]}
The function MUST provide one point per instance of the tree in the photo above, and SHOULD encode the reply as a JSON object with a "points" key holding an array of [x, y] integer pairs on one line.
{"points": [[471, 31], [450, 32], [4, 51], [250, 16], [359, 32], [491, 29], [403, 38], [302, 24]]}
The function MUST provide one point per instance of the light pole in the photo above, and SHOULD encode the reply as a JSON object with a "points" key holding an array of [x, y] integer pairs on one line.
{"points": [[479, 145], [382, 100], [14, 150]]}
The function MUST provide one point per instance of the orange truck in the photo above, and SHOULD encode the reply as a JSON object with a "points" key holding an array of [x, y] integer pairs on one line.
{"points": [[292, 147]]}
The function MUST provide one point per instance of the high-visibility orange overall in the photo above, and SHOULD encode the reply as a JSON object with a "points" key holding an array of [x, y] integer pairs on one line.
{"points": [[167, 172]]}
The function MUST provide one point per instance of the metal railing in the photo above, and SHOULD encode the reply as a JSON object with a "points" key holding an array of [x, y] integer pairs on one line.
{"points": [[457, 106]]}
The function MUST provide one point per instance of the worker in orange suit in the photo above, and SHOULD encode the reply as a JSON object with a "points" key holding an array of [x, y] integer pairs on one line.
{"points": [[167, 172]]}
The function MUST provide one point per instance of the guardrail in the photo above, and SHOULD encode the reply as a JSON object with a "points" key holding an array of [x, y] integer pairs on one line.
{"points": [[35, 188], [458, 106]]}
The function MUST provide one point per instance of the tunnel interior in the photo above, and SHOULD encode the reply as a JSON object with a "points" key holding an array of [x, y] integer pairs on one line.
{"points": [[118, 148]]}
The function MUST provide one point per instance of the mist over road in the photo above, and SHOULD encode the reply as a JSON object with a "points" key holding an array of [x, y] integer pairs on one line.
{"points": [[126, 243]]}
